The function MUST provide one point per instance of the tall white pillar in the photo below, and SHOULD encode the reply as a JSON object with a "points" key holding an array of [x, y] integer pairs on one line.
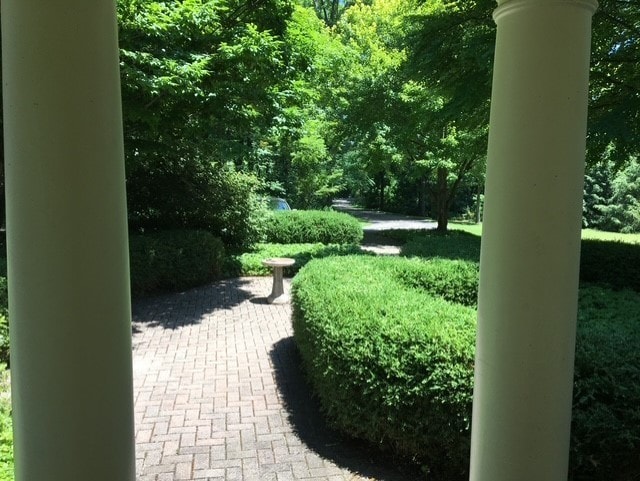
{"points": [[67, 242], [531, 241]]}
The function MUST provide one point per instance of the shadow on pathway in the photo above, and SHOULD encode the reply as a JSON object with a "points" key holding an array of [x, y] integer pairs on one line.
{"points": [[172, 311], [310, 426]]}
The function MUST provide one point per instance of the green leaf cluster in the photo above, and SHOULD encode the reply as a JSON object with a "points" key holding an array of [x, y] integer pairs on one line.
{"points": [[6, 427]]}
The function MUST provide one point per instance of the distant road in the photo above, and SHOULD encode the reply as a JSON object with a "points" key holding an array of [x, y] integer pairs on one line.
{"points": [[383, 220]]}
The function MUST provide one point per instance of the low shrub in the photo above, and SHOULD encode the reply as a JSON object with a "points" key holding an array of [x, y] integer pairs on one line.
{"points": [[453, 280], [453, 244], [606, 399], [250, 263], [311, 226], [174, 260], [612, 263], [392, 362]]}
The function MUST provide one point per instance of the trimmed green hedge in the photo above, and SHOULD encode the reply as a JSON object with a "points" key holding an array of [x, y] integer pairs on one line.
{"points": [[453, 244], [453, 280], [392, 361], [605, 435], [612, 263], [311, 226], [250, 263], [174, 260]]}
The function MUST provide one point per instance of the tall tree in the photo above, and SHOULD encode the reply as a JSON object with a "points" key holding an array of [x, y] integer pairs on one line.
{"points": [[199, 86], [428, 141]]}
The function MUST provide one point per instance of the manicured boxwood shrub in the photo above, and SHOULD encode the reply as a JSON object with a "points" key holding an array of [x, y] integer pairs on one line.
{"points": [[311, 226], [392, 362], [606, 397], [611, 263], [174, 260], [389, 362], [452, 245], [453, 280]]}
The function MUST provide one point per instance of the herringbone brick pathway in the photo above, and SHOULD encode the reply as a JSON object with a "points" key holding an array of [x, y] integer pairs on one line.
{"points": [[219, 395]]}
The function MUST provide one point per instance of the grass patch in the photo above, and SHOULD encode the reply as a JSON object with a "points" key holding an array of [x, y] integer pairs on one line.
{"points": [[250, 263], [475, 229], [6, 427], [593, 234]]}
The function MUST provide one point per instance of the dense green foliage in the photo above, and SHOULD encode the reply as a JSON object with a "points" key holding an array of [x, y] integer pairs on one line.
{"points": [[174, 260], [326, 97], [606, 399], [454, 280], [250, 263], [614, 264], [610, 263], [325, 226], [200, 83], [452, 245], [390, 363], [612, 199]]}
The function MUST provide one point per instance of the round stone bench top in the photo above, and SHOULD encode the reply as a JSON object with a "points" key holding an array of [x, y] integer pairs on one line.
{"points": [[278, 262]]}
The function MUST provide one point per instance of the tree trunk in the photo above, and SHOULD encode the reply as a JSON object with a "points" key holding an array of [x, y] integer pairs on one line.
{"points": [[381, 191], [478, 194], [422, 197], [442, 200]]}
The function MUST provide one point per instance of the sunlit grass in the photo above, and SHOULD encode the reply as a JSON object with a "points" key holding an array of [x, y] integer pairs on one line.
{"points": [[610, 236], [476, 229]]}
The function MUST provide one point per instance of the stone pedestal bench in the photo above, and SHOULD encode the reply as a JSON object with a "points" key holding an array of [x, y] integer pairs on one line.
{"points": [[278, 264]]}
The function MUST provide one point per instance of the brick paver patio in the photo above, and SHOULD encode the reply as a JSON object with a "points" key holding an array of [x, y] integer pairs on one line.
{"points": [[219, 394]]}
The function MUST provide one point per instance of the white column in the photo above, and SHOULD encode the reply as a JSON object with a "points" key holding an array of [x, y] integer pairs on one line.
{"points": [[531, 241], [67, 242]]}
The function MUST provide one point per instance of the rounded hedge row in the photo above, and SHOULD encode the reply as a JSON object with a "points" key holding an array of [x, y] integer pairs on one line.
{"points": [[391, 361], [311, 226], [250, 263], [174, 260]]}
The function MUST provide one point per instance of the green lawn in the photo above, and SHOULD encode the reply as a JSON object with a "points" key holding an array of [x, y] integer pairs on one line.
{"points": [[476, 229]]}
